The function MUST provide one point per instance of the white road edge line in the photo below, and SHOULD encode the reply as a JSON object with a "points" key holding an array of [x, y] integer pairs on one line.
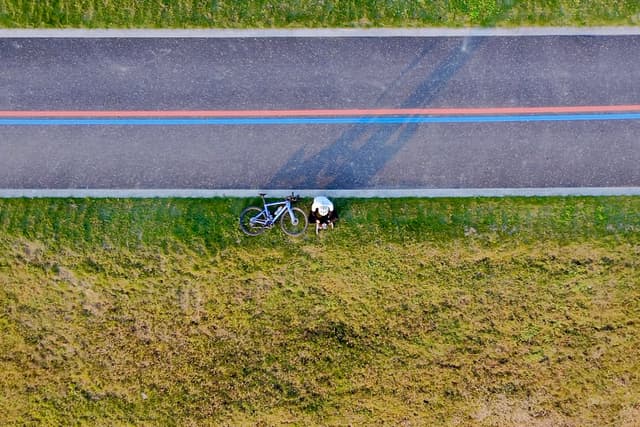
{"points": [[355, 193], [319, 32]]}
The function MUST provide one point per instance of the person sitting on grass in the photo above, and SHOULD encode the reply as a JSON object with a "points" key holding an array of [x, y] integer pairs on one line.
{"points": [[322, 213]]}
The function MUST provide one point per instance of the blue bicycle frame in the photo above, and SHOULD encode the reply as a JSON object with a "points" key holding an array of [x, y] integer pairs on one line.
{"points": [[267, 219], [293, 220]]}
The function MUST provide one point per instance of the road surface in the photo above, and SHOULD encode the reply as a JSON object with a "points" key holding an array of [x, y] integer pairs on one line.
{"points": [[452, 112]]}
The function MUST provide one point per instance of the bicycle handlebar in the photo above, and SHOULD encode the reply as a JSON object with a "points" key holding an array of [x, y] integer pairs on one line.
{"points": [[291, 198]]}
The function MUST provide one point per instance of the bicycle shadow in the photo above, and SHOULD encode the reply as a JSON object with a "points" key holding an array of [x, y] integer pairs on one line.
{"points": [[363, 150]]}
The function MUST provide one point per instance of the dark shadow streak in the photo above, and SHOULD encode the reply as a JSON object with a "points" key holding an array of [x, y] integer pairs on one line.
{"points": [[347, 164]]}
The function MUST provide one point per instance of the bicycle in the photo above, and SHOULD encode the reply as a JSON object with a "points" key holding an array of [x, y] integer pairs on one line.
{"points": [[255, 220]]}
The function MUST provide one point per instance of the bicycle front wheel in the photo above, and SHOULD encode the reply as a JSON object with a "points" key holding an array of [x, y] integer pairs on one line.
{"points": [[294, 226], [253, 221]]}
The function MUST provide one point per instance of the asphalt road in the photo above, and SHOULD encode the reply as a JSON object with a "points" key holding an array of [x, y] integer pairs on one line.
{"points": [[336, 73]]}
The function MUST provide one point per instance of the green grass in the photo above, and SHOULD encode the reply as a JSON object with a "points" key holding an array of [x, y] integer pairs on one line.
{"points": [[516, 311], [313, 13]]}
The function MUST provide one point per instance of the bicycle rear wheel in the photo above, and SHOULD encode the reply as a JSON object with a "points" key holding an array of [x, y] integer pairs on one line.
{"points": [[253, 221], [287, 223]]}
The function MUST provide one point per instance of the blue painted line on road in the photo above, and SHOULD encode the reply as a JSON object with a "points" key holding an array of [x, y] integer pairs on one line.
{"points": [[314, 120]]}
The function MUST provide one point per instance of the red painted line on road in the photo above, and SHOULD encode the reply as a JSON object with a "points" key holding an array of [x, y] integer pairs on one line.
{"points": [[322, 112]]}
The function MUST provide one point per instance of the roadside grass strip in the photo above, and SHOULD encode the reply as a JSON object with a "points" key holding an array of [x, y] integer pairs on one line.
{"points": [[475, 311], [313, 13]]}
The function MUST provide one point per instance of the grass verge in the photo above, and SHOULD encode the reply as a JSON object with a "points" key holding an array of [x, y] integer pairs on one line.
{"points": [[441, 311], [313, 13]]}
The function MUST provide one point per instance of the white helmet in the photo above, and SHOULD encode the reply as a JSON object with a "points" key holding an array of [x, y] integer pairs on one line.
{"points": [[323, 205]]}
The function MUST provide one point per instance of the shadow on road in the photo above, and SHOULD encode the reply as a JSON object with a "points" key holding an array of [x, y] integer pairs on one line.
{"points": [[363, 150]]}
